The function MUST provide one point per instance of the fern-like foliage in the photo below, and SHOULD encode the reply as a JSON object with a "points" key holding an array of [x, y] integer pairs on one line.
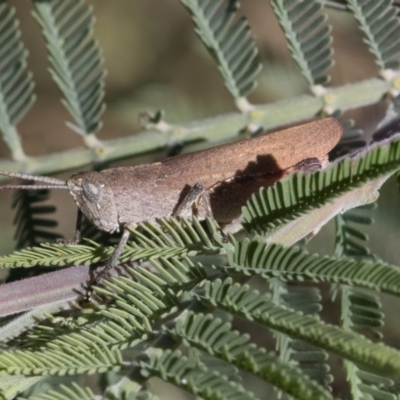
{"points": [[310, 359], [73, 392], [189, 374], [360, 310], [31, 218], [217, 337], [350, 241], [12, 386], [241, 301], [380, 23], [137, 302], [33, 225], [171, 237], [287, 200], [16, 84], [74, 360], [229, 42], [293, 264], [309, 37], [76, 60], [167, 312]]}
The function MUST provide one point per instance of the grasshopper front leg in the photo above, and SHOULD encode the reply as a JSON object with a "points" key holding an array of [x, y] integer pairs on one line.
{"points": [[186, 208], [113, 260]]}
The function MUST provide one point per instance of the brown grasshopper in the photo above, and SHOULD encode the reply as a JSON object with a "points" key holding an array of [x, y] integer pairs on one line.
{"points": [[215, 182]]}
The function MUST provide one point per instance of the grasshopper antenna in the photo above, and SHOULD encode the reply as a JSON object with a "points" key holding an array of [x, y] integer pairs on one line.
{"points": [[54, 182]]}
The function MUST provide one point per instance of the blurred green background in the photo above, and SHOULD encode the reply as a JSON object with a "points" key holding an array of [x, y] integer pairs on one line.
{"points": [[155, 61]]}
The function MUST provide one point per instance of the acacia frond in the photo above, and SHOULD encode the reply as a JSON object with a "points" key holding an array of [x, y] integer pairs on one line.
{"points": [[229, 42], [54, 254], [12, 386], [76, 60], [69, 360], [343, 185], [310, 359], [349, 239], [189, 374], [73, 392], [216, 337], [145, 294], [367, 385], [253, 306], [309, 37], [380, 23], [30, 218], [360, 310], [293, 264], [171, 237], [135, 300], [16, 84]]}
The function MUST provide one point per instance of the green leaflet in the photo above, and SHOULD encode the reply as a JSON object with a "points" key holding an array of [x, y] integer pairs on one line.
{"points": [[302, 203], [189, 373], [31, 218], [309, 37], [379, 21], [64, 392], [294, 264], [259, 308], [16, 83], [76, 59], [171, 237], [229, 42], [217, 337]]}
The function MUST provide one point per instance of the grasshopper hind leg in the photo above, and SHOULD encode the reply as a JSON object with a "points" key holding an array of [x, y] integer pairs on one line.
{"points": [[308, 165]]}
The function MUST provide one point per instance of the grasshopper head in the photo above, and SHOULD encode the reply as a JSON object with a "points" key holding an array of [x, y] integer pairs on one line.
{"points": [[95, 198]]}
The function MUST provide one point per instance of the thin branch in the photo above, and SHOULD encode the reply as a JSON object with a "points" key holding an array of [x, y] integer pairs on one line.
{"points": [[211, 130], [60, 286]]}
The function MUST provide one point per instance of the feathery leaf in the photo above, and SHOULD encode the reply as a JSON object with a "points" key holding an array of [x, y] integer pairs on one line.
{"points": [[171, 237], [73, 392], [216, 337], [241, 301], [70, 360], [77, 63], [309, 37], [310, 359], [345, 184], [229, 42], [30, 218], [16, 84], [189, 374], [293, 264], [360, 310], [12, 386], [380, 23], [349, 239]]}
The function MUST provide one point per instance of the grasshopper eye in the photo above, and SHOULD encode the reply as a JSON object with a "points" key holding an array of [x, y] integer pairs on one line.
{"points": [[92, 191]]}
